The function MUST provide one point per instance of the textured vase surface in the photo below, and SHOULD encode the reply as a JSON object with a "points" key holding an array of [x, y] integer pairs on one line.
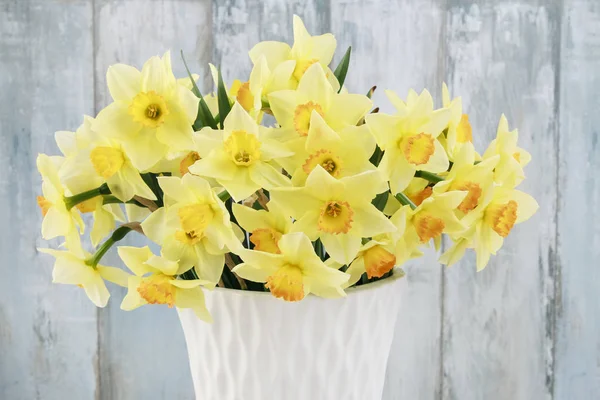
{"points": [[262, 348]]}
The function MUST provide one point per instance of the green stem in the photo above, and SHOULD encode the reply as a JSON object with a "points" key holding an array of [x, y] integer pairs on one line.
{"points": [[224, 196], [117, 235], [72, 201], [433, 178], [405, 201]]}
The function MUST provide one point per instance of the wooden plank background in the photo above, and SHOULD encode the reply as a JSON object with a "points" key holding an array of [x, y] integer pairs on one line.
{"points": [[527, 327]]}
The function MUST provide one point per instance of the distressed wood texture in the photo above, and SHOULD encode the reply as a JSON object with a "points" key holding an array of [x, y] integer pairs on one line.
{"points": [[397, 46], [498, 323], [577, 372], [143, 353], [47, 332]]}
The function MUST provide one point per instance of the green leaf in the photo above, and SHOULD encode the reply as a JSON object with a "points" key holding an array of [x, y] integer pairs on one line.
{"points": [[342, 68], [204, 117], [223, 100], [381, 200]]}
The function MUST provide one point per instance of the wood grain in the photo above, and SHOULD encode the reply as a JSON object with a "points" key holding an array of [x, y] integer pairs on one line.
{"points": [[48, 336], [143, 352], [498, 323], [577, 372]]}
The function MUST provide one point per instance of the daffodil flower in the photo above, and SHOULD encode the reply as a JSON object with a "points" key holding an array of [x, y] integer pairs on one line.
{"points": [[490, 224], [339, 211], [239, 157], [409, 138], [509, 170], [293, 110], [58, 220], [109, 163], [252, 93], [459, 129], [193, 227], [341, 154], [265, 228], [155, 282], [152, 113], [72, 268], [476, 179], [433, 217], [294, 272], [306, 51]]}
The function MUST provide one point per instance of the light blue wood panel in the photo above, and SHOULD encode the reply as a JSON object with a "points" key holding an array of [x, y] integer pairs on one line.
{"points": [[143, 353], [498, 323], [577, 367], [398, 46], [48, 334]]}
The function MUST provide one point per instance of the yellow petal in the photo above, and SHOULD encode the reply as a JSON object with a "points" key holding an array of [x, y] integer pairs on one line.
{"points": [[239, 120], [249, 218], [347, 110], [124, 81], [114, 275], [343, 247], [135, 258], [133, 299], [274, 52], [194, 299], [96, 290], [252, 272]]}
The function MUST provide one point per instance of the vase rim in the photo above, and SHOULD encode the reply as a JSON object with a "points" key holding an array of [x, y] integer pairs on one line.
{"points": [[398, 273]]}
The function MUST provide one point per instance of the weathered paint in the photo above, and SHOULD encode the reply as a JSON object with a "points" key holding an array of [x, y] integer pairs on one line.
{"points": [[577, 368], [527, 327], [48, 332]]}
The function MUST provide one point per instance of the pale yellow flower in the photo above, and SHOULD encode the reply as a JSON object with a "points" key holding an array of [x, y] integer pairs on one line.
{"points": [[152, 113], [306, 51], [58, 219], [342, 153], [293, 273], [409, 138], [293, 110], [339, 211], [264, 228], [193, 228], [459, 130], [72, 268], [489, 224], [509, 170], [476, 179], [240, 156], [155, 282]]}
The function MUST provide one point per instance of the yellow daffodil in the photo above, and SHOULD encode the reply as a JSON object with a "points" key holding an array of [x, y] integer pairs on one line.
{"points": [[475, 179], [458, 131], [341, 154], [409, 138], [306, 51], [72, 268], [509, 170], [293, 110], [417, 190], [110, 163], [58, 220], [433, 217], [490, 224], [252, 93], [155, 282], [193, 227], [294, 272], [239, 157], [339, 211], [152, 112], [383, 252], [265, 228]]}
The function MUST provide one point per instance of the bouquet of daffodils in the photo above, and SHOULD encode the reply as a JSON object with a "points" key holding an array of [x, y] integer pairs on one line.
{"points": [[328, 193]]}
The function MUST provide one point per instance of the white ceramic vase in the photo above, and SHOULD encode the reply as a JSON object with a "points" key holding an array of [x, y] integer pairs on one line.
{"points": [[262, 348]]}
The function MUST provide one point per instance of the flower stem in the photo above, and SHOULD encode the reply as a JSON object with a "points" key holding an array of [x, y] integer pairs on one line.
{"points": [[433, 178], [117, 235], [405, 201], [72, 201]]}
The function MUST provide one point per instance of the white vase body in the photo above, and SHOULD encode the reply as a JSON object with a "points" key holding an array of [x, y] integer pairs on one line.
{"points": [[262, 348]]}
